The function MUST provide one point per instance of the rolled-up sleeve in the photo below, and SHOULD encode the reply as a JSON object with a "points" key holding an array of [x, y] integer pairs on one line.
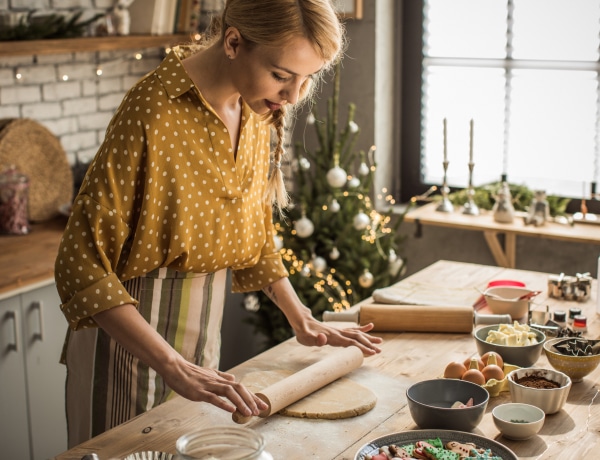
{"points": [[86, 261]]}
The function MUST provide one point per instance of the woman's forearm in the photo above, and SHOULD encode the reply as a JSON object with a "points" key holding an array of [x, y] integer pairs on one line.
{"points": [[125, 325], [284, 296]]}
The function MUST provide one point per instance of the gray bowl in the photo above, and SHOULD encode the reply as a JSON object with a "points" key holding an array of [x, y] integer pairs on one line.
{"points": [[522, 356], [430, 404]]}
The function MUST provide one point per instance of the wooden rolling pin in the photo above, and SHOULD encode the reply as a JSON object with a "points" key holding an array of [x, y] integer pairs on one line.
{"points": [[306, 381], [417, 318]]}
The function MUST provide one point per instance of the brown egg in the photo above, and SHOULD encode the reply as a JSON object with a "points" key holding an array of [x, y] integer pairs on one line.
{"points": [[475, 376], [492, 371], [468, 362], [454, 370], [486, 358]]}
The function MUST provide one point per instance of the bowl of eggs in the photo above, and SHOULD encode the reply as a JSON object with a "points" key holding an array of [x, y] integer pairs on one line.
{"points": [[518, 344], [489, 371], [449, 404]]}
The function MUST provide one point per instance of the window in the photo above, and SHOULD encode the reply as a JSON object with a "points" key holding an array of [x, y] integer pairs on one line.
{"points": [[525, 71]]}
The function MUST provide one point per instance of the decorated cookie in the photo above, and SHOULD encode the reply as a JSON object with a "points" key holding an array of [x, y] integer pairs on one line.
{"points": [[439, 453], [398, 452], [409, 448], [463, 449], [482, 455]]}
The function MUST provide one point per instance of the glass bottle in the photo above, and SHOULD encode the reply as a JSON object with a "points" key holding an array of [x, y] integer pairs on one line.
{"points": [[223, 443]]}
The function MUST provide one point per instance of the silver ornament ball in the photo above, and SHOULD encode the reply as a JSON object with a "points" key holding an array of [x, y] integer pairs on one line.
{"points": [[336, 177], [366, 279], [304, 227], [361, 221]]}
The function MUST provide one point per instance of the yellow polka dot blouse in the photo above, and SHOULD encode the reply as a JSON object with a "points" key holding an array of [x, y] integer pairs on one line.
{"points": [[166, 190]]}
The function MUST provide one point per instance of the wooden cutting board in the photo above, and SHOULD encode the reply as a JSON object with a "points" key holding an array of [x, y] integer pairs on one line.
{"points": [[38, 154]]}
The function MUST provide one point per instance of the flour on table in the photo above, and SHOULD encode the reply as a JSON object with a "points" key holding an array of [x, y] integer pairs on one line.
{"points": [[342, 398]]}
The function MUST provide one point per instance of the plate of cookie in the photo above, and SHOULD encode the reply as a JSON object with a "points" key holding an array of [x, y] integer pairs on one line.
{"points": [[434, 444]]}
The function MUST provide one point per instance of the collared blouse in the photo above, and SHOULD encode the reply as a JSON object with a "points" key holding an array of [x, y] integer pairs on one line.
{"points": [[166, 190]]}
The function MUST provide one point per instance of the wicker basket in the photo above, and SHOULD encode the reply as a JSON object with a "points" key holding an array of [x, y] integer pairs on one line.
{"points": [[38, 154]]}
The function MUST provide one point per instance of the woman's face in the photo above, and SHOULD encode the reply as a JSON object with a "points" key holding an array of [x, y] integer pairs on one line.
{"points": [[268, 77]]}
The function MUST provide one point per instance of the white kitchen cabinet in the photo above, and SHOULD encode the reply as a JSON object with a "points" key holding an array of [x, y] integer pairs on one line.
{"points": [[32, 381]]}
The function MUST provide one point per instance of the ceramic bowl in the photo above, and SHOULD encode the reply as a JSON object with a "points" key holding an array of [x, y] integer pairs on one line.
{"points": [[517, 309], [550, 400], [430, 404], [518, 421], [576, 367], [522, 356]]}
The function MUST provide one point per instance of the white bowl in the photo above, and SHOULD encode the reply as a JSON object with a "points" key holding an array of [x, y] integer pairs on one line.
{"points": [[518, 421], [550, 400], [517, 309]]}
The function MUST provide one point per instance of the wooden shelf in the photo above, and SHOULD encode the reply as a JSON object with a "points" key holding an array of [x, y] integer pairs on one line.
{"points": [[72, 45]]}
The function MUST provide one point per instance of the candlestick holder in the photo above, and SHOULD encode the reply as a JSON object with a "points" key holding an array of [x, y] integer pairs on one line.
{"points": [[445, 205], [470, 207]]}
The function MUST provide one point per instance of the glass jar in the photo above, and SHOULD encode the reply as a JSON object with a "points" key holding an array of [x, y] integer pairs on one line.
{"points": [[14, 202], [222, 443]]}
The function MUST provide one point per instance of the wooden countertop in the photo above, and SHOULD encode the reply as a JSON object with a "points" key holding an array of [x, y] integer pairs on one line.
{"points": [[406, 358], [27, 260]]}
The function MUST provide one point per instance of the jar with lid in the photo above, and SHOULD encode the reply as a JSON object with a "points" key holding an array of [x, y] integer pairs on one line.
{"points": [[223, 443], [14, 211]]}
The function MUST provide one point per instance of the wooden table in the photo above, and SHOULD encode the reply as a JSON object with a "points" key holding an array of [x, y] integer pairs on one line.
{"points": [[504, 255], [406, 358]]}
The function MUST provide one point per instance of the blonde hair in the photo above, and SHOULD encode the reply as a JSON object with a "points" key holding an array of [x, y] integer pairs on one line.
{"points": [[269, 22]]}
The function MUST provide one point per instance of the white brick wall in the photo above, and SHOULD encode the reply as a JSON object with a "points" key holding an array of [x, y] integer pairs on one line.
{"points": [[63, 91]]}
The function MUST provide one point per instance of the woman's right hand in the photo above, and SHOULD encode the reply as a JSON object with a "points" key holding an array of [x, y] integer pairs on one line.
{"points": [[213, 386], [125, 325]]}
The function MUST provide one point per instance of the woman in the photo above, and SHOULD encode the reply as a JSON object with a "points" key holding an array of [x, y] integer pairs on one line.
{"points": [[177, 194]]}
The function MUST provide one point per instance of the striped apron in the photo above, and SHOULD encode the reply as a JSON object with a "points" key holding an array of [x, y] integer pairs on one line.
{"points": [[107, 386]]}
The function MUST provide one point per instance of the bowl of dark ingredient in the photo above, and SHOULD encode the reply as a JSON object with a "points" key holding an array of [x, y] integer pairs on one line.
{"points": [[518, 421], [574, 356], [547, 389], [449, 404]]}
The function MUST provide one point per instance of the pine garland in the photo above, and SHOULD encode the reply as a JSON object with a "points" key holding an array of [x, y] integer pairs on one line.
{"points": [[47, 27]]}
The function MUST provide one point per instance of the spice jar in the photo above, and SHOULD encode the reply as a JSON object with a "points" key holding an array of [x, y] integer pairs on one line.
{"points": [[14, 213], [224, 443]]}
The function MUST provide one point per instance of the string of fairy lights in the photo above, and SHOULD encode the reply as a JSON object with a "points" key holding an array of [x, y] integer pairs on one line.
{"points": [[101, 67]]}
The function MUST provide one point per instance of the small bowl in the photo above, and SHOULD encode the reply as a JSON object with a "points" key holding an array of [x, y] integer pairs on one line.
{"points": [[550, 400], [576, 367], [517, 309], [524, 356], [430, 404], [518, 421]]}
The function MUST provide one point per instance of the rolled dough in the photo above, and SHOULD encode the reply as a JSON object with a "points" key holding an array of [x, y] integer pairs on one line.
{"points": [[342, 398]]}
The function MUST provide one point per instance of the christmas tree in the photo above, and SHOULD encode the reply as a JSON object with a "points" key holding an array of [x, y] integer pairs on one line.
{"points": [[336, 246]]}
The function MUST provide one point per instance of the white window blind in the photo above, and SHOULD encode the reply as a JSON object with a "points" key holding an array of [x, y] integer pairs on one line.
{"points": [[526, 72]]}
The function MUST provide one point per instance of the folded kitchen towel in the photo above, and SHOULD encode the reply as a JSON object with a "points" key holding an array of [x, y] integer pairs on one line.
{"points": [[416, 294]]}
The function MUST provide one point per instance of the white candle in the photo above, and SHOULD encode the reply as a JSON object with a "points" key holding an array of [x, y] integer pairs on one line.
{"points": [[471, 142], [445, 141]]}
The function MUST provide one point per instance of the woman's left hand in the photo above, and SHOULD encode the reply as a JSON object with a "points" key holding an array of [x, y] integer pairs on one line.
{"points": [[311, 332], [315, 333]]}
